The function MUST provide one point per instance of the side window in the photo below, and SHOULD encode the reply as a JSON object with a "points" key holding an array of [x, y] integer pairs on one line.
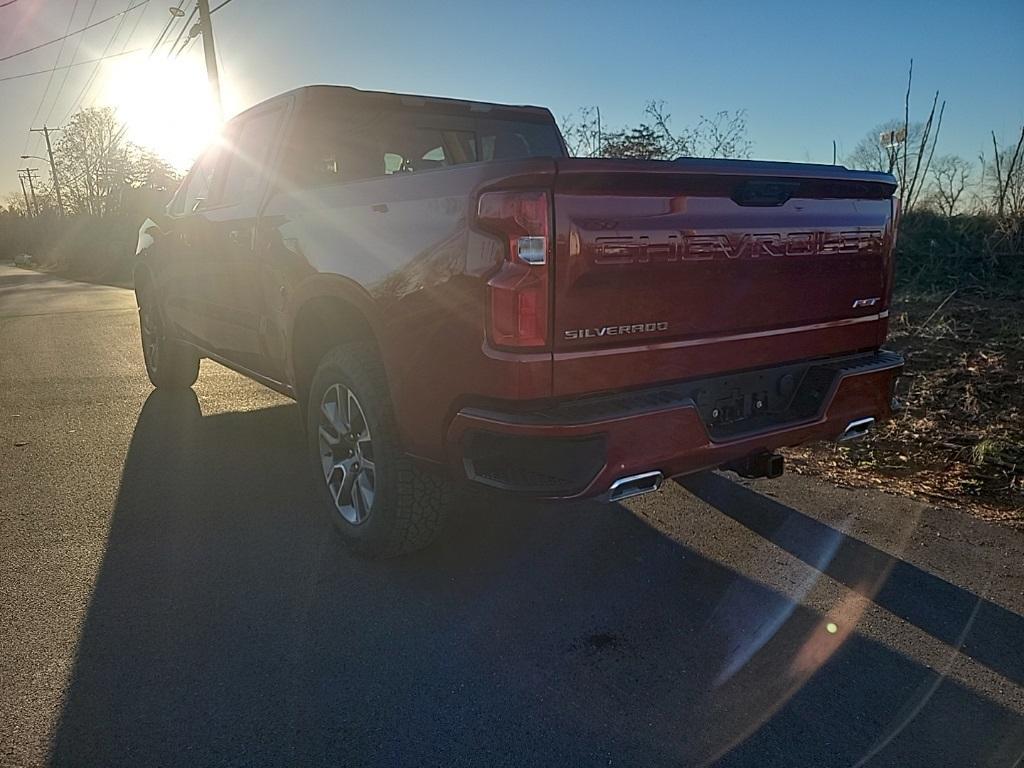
{"points": [[334, 146], [197, 184], [249, 155], [421, 149], [177, 205]]}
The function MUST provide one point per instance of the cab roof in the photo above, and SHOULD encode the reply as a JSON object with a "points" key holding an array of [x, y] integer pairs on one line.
{"points": [[387, 98]]}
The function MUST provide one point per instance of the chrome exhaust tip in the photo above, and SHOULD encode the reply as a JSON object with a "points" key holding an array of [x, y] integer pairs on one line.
{"points": [[635, 485], [856, 429]]}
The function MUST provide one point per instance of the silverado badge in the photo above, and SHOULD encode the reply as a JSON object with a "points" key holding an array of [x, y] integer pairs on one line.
{"points": [[613, 330]]}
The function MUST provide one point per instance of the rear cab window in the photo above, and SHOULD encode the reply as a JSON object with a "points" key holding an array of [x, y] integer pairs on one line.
{"points": [[514, 140], [334, 141]]}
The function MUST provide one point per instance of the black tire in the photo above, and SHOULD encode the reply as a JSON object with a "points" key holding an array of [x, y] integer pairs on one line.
{"points": [[409, 502], [170, 363]]}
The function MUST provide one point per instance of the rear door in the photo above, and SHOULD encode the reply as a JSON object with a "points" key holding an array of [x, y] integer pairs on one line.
{"points": [[234, 308], [667, 271]]}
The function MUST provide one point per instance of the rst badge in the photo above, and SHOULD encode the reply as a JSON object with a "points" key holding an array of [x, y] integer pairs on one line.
{"points": [[575, 334]]}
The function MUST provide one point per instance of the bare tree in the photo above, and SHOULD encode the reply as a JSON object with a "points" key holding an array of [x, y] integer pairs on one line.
{"points": [[950, 174], [92, 155], [883, 147], [14, 206], [1007, 179], [640, 143], [582, 132], [912, 180], [98, 164], [724, 134], [903, 148]]}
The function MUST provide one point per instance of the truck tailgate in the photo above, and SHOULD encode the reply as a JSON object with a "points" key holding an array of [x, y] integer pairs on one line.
{"points": [[673, 270]]}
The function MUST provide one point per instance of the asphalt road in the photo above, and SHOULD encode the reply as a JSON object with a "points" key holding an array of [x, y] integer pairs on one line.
{"points": [[170, 596]]}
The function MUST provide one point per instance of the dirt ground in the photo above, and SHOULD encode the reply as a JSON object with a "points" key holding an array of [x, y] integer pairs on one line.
{"points": [[959, 442]]}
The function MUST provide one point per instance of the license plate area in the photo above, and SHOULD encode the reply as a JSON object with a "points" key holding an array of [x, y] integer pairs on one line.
{"points": [[748, 402]]}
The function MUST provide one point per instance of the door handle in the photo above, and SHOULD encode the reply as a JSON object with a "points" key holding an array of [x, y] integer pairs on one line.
{"points": [[236, 237]]}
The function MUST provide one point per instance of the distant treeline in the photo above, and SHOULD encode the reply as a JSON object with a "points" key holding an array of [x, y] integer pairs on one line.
{"points": [[972, 252], [80, 246], [934, 252]]}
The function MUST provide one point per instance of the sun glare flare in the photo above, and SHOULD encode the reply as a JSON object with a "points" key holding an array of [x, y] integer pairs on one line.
{"points": [[165, 104]]}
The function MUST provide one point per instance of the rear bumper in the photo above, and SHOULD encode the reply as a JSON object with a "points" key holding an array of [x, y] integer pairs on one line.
{"points": [[579, 448]]}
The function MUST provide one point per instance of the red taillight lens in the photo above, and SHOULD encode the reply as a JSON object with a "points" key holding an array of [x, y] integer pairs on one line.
{"points": [[518, 292], [518, 299]]}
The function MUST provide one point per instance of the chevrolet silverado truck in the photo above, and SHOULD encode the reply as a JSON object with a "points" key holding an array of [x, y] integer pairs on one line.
{"points": [[450, 297]]}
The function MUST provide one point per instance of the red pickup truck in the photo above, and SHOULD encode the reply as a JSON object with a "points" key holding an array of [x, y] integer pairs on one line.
{"points": [[449, 296]]}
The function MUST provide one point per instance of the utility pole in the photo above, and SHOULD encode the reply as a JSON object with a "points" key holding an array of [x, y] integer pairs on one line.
{"points": [[53, 166], [206, 29], [28, 175], [28, 208]]}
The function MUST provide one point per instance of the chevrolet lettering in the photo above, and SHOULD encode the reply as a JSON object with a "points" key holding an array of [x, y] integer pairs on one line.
{"points": [[698, 246]]}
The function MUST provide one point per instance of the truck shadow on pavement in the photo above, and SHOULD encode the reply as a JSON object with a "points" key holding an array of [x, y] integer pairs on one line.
{"points": [[228, 626], [978, 628]]}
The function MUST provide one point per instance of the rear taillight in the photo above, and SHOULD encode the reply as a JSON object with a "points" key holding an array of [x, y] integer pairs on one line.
{"points": [[518, 293]]}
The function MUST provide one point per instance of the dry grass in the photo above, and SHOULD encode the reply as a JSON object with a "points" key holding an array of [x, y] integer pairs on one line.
{"points": [[959, 441]]}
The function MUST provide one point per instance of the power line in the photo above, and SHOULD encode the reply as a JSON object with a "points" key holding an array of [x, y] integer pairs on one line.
{"points": [[214, 10], [64, 80], [69, 34], [183, 30], [49, 81], [187, 46], [167, 26], [84, 95], [173, 30], [135, 27], [9, 2], [87, 88], [65, 66], [86, 92]]}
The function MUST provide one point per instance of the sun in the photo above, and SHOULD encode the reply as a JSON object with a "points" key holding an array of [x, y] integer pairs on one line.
{"points": [[165, 104]]}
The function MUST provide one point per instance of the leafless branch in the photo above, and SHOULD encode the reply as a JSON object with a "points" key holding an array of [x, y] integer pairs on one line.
{"points": [[906, 125]]}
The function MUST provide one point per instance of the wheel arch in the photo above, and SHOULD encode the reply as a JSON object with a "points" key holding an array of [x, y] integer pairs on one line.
{"points": [[324, 315]]}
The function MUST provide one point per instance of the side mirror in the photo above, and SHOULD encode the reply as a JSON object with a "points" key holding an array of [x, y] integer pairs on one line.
{"points": [[147, 233], [161, 220]]}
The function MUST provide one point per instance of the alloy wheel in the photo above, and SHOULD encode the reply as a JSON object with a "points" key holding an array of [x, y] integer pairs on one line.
{"points": [[346, 454]]}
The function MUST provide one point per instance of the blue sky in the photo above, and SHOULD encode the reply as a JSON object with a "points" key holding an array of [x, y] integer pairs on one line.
{"points": [[806, 73]]}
